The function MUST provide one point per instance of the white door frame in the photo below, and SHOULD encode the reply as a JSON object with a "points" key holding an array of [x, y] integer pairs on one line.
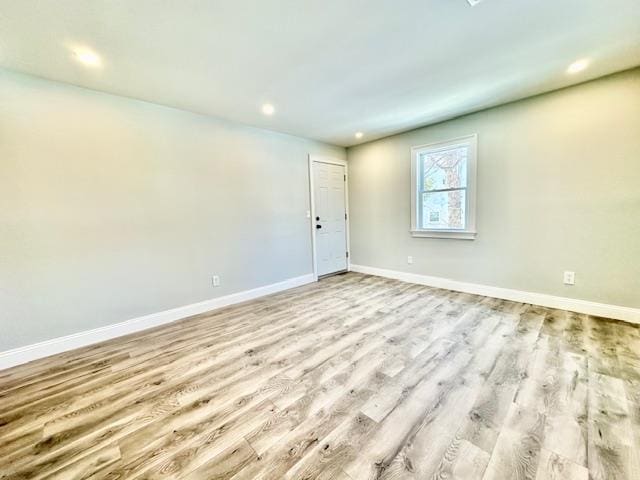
{"points": [[312, 223]]}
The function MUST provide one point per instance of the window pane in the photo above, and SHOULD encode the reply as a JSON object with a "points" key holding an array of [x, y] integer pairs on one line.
{"points": [[444, 210], [445, 168]]}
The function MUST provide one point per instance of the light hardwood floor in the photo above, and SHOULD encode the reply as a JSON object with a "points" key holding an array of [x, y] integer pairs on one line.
{"points": [[355, 377]]}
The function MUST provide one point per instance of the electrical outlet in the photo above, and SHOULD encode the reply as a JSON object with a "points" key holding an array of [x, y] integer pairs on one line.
{"points": [[215, 281], [569, 278], [410, 260]]}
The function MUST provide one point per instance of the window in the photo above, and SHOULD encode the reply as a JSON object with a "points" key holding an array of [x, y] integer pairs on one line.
{"points": [[443, 189]]}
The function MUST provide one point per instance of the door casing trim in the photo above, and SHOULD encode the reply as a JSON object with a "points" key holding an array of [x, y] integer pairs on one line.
{"points": [[332, 161]]}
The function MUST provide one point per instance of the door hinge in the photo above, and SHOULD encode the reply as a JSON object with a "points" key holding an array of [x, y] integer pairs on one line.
{"points": [[347, 254], [345, 177], [345, 216]]}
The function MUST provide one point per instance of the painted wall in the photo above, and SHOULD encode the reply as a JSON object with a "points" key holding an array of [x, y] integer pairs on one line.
{"points": [[558, 189], [112, 208]]}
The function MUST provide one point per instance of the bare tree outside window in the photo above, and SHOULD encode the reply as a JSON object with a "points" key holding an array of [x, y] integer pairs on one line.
{"points": [[443, 186]]}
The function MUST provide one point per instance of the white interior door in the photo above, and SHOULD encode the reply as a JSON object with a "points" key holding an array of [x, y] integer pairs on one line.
{"points": [[330, 223]]}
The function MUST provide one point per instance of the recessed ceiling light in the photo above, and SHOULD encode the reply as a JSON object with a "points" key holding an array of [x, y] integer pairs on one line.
{"points": [[578, 66], [268, 109], [359, 134], [87, 57], [473, 3]]}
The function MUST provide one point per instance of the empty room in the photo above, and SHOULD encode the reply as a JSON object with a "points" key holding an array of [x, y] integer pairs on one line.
{"points": [[304, 239]]}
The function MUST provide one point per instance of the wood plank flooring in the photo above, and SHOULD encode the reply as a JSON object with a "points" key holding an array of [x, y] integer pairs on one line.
{"points": [[355, 377]]}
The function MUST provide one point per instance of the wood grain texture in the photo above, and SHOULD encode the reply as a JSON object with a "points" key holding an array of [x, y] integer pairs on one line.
{"points": [[355, 377], [554, 467]]}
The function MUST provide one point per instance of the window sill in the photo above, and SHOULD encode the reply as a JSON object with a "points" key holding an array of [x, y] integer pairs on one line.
{"points": [[466, 235]]}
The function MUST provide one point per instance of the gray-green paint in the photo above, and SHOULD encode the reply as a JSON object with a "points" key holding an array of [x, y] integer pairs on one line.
{"points": [[558, 189], [112, 208]]}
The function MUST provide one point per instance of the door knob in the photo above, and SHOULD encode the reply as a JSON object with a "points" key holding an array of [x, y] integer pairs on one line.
{"points": [[317, 219], [318, 226]]}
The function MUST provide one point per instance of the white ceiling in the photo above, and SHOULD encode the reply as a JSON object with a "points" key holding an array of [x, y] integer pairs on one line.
{"points": [[330, 67]]}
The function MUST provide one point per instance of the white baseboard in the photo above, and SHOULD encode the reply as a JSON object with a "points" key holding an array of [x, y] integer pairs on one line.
{"points": [[28, 353], [628, 314]]}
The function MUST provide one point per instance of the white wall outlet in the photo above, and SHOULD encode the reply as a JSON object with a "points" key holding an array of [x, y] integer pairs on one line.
{"points": [[410, 260], [569, 278], [215, 281]]}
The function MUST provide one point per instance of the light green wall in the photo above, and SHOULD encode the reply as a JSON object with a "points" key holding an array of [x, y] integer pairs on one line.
{"points": [[112, 208], [559, 189]]}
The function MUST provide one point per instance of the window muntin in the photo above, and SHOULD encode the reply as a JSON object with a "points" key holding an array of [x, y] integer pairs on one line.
{"points": [[443, 189], [443, 175]]}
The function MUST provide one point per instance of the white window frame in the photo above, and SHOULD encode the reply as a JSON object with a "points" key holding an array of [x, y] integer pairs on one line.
{"points": [[469, 233]]}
